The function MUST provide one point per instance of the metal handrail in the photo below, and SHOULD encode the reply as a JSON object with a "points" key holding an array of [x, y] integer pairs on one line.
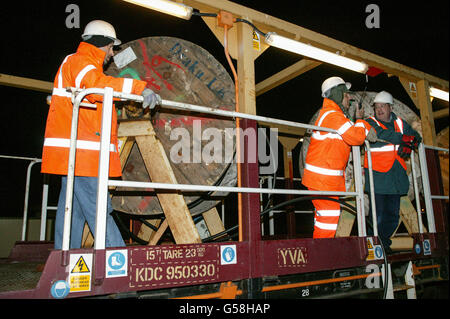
{"points": [[44, 208], [103, 176]]}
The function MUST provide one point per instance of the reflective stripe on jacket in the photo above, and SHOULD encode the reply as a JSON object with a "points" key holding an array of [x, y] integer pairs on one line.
{"points": [[328, 153], [83, 69], [384, 156]]}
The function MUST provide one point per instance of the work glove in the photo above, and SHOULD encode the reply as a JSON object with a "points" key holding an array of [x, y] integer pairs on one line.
{"points": [[405, 148], [150, 99], [415, 142], [372, 135]]}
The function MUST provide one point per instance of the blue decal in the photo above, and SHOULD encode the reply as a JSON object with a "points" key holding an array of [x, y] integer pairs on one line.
{"points": [[228, 254], [417, 248], [60, 289]]}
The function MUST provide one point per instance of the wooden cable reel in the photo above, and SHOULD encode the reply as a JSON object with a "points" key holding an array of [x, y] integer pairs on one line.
{"points": [[181, 71]]}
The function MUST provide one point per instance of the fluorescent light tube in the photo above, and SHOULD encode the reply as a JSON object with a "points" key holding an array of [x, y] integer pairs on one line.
{"points": [[169, 7], [312, 52], [439, 94]]}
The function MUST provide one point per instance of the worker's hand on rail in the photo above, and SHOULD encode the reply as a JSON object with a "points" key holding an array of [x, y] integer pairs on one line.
{"points": [[372, 135], [416, 141], [404, 150], [150, 99]]}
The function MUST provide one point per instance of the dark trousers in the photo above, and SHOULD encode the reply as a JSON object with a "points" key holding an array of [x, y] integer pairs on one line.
{"points": [[388, 207]]}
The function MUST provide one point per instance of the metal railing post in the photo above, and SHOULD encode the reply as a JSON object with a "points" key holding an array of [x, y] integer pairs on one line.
{"points": [[103, 170], [426, 189], [372, 190], [416, 192], [359, 188], [25, 204], [71, 173]]}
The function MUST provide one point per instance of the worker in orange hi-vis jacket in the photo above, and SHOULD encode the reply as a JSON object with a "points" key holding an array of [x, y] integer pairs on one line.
{"points": [[328, 153], [84, 69]]}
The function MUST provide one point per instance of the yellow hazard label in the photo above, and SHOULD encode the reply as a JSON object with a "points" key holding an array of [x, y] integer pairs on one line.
{"points": [[80, 266], [256, 42], [369, 244], [80, 283], [371, 255]]}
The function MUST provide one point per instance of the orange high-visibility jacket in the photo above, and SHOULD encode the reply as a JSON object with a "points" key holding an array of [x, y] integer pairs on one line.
{"points": [[83, 69], [384, 156], [328, 153]]}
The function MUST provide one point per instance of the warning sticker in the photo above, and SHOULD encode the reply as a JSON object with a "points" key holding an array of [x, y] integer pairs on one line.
{"points": [[80, 272], [80, 266], [374, 252], [256, 41]]}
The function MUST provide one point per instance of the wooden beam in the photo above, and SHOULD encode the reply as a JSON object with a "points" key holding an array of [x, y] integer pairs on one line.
{"points": [[246, 70], [410, 88], [285, 75], [441, 113], [232, 35], [426, 112], [270, 23], [26, 83], [158, 167]]}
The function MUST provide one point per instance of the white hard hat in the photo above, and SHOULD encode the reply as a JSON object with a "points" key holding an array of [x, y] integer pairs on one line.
{"points": [[330, 83], [99, 27], [383, 97]]}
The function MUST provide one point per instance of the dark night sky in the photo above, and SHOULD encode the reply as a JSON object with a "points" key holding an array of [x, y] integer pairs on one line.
{"points": [[35, 39]]}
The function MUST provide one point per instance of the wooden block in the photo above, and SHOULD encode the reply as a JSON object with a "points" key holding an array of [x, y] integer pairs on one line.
{"points": [[402, 243], [345, 225], [213, 221]]}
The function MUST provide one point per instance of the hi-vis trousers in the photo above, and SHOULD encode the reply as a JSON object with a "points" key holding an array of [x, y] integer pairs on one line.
{"points": [[326, 217]]}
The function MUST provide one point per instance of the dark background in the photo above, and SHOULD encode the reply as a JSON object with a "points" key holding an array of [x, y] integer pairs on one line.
{"points": [[35, 40]]}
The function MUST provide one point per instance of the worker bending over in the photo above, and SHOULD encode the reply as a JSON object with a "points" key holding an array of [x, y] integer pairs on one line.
{"points": [[328, 153], [388, 164], [84, 69]]}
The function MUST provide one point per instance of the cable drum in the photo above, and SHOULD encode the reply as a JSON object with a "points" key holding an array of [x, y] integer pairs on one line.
{"points": [[181, 71], [400, 110]]}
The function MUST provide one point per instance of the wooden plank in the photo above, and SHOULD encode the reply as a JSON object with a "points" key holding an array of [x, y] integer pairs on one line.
{"points": [[426, 112], [26, 83], [162, 228], [135, 128], [175, 209], [270, 23], [145, 232], [285, 75], [440, 114]]}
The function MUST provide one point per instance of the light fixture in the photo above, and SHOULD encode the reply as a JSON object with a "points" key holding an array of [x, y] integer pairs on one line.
{"points": [[310, 51], [169, 7], [439, 94]]}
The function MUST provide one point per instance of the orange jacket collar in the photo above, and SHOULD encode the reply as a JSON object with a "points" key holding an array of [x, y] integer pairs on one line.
{"points": [[93, 52], [330, 104]]}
